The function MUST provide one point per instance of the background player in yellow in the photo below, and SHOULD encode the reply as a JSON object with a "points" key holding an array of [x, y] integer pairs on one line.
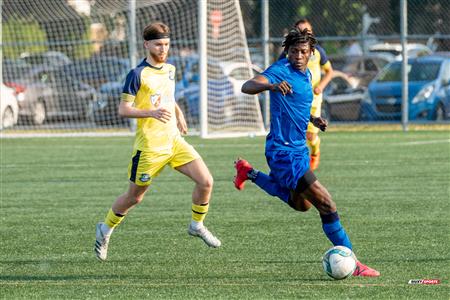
{"points": [[318, 64], [148, 96]]}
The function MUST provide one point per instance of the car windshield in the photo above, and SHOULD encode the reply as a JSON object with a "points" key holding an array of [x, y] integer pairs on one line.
{"points": [[390, 51], [97, 69], [418, 71]]}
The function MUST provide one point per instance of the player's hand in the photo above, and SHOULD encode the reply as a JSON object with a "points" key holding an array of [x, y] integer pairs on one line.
{"points": [[181, 124], [283, 87], [320, 123], [317, 90], [161, 114]]}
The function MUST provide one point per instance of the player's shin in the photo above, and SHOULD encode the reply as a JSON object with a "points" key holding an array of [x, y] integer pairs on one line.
{"points": [[198, 214], [334, 231], [270, 186], [112, 220]]}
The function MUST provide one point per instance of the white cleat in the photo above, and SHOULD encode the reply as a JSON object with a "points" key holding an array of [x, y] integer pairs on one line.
{"points": [[205, 235], [101, 243]]}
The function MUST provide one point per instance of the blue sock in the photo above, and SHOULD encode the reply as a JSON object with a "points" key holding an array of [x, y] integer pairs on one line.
{"points": [[334, 230], [266, 183]]}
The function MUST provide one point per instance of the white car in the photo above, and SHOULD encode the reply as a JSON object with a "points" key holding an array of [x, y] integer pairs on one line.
{"points": [[9, 109], [395, 50]]}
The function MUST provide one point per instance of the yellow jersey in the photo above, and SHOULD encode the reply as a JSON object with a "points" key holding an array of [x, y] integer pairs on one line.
{"points": [[318, 62], [150, 87]]}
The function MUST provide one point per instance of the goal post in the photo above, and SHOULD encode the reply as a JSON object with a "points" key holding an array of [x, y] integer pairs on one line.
{"points": [[229, 112]]}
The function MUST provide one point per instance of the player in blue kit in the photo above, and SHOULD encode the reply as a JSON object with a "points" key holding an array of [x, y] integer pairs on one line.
{"points": [[290, 178]]}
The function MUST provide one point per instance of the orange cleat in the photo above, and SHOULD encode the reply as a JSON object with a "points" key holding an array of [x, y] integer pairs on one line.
{"points": [[314, 161], [363, 270], [242, 168]]}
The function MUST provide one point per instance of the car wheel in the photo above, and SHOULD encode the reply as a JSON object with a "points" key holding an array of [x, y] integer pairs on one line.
{"points": [[8, 118], [39, 114], [439, 113]]}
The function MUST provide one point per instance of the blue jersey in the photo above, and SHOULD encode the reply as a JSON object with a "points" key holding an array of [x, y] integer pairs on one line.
{"points": [[289, 114]]}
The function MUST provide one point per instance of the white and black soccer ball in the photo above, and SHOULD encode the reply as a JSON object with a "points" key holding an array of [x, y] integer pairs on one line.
{"points": [[339, 262]]}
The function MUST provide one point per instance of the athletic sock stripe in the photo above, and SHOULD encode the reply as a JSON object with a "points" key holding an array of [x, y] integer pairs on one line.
{"points": [[200, 213]]}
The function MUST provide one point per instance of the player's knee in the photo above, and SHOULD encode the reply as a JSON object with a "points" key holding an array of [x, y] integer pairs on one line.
{"points": [[299, 205], [310, 136], [207, 183]]}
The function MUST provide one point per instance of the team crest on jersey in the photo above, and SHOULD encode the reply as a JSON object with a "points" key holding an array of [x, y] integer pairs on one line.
{"points": [[155, 99], [171, 75], [144, 177]]}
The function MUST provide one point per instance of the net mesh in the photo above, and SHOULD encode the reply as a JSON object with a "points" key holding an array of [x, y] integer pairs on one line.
{"points": [[66, 61]]}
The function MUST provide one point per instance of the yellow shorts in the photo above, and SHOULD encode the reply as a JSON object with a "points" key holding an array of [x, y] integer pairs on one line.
{"points": [[146, 165], [316, 109]]}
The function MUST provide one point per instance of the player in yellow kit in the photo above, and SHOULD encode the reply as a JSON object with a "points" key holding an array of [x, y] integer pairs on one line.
{"points": [[148, 96], [318, 64]]}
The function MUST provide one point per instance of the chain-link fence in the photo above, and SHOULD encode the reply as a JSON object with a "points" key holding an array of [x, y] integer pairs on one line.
{"points": [[361, 38], [80, 51]]}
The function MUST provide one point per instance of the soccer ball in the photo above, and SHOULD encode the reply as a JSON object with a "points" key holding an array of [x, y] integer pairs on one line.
{"points": [[339, 262]]}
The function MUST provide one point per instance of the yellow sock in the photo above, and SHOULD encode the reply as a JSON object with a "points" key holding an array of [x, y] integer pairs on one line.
{"points": [[112, 220], [314, 145], [199, 212]]}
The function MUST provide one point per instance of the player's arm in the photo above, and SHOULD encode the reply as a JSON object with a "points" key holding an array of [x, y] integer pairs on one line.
{"points": [[319, 122], [181, 121], [127, 110], [260, 84], [326, 78], [326, 68]]}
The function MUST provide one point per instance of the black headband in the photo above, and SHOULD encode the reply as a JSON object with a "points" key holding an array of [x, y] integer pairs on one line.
{"points": [[157, 36]]}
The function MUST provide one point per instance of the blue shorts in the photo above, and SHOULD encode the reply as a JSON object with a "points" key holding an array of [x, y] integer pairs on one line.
{"points": [[287, 167]]}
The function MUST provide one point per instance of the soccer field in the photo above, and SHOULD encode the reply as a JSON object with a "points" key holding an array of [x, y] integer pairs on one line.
{"points": [[392, 191]]}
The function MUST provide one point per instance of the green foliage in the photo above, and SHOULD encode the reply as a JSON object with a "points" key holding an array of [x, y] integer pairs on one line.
{"points": [[21, 35], [391, 190], [84, 50]]}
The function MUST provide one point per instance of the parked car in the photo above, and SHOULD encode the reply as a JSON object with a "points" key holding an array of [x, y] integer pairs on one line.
{"points": [[342, 99], [48, 93], [395, 49], [428, 90], [107, 103], [98, 70], [13, 69], [49, 59], [361, 69], [9, 109], [223, 87]]}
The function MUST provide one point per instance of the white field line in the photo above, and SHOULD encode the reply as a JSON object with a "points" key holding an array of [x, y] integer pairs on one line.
{"points": [[90, 282], [424, 142]]}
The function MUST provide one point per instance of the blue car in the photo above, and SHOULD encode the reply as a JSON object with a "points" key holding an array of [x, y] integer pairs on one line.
{"points": [[428, 90]]}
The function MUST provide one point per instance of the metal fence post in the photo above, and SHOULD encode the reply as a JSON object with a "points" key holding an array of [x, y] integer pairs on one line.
{"points": [[265, 45], [203, 63], [403, 36], [132, 45]]}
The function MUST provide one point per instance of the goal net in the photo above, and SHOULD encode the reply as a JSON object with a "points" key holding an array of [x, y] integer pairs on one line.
{"points": [[64, 63]]}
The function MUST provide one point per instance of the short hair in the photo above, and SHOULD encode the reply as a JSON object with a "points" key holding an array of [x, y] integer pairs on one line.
{"points": [[296, 36], [303, 21], [156, 30]]}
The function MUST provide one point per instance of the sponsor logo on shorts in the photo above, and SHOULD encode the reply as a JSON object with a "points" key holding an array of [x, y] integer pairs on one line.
{"points": [[144, 177]]}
